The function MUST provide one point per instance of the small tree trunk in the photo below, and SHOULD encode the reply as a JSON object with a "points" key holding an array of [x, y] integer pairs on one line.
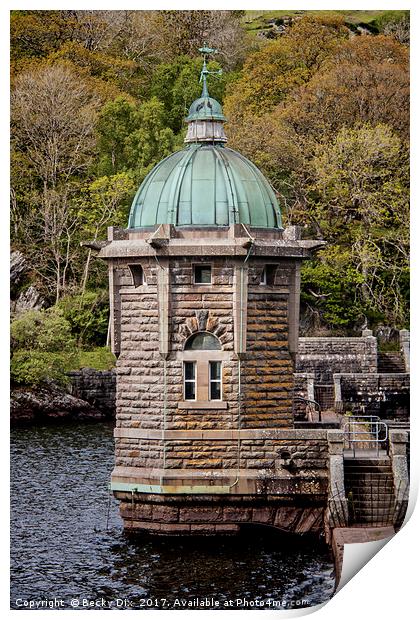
{"points": [[86, 272]]}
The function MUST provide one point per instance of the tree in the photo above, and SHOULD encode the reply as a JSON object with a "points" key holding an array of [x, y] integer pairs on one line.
{"points": [[53, 119], [183, 32], [270, 74], [152, 140], [101, 206], [176, 84], [365, 80], [360, 198], [133, 137], [116, 121]]}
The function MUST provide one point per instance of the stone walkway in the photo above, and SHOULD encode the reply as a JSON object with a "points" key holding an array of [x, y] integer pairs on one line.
{"points": [[348, 535]]}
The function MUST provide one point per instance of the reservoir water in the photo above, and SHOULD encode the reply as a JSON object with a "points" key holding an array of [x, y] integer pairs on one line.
{"points": [[68, 549]]}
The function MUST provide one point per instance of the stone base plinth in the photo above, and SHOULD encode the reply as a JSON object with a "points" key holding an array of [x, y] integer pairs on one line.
{"points": [[211, 515]]}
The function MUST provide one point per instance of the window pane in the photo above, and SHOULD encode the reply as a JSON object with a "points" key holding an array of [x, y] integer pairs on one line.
{"points": [[202, 275], [137, 274], [189, 390], [215, 368], [203, 341], [215, 390], [189, 370], [268, 275]]}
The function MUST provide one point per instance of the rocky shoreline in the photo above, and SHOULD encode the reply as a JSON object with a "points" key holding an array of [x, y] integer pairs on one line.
{"points": [[89, 396]]}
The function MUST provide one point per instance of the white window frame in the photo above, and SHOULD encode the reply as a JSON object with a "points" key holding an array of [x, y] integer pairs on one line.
{"points": [[219, 381], [264, 281], [193, 381]]}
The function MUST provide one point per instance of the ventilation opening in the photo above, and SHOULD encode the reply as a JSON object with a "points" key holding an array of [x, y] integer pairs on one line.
{"points": [[137, 274], [202, 274], [268, 275]]}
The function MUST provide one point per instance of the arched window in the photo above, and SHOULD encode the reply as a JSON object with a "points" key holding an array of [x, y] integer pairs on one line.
{"points": [[202, 369], [203, 341]]}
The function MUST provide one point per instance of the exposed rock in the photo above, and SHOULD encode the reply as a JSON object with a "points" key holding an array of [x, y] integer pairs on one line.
{"points": [[50, 403], [18, 267], [30, 299]]}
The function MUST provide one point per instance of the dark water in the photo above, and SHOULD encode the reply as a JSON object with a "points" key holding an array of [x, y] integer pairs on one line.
{"points": [[61, 549]]}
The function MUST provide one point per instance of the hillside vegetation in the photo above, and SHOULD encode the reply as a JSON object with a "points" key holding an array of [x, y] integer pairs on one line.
{"points": [[99, 97]]}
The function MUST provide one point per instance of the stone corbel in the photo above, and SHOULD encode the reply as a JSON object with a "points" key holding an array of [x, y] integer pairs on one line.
{"points": [[160, 237]]}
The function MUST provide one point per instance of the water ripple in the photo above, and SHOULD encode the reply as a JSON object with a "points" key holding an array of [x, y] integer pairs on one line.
{"points": [[60, 546]]}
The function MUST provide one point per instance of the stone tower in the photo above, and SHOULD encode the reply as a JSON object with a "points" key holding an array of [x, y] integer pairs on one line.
{"points": [[204, 289]]}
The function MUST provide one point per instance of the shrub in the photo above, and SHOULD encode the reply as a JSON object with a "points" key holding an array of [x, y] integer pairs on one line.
{"points": [[88, 316], [100, 358], [42, 347], [32, 368]]}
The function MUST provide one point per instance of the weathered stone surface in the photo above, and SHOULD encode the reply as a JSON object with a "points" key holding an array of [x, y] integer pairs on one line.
{"points": [[201, 514], [96, 387], [325, 356], [30, 299], [18, 267], [49, 402]]}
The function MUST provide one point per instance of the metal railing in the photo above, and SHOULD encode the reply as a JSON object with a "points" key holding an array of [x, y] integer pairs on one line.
{"points": [[310, 402], [374, 431], [370, 507]]}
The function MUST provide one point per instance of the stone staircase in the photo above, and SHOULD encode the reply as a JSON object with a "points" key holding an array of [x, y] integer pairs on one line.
{"points": [[369, 490], [390, 363]]}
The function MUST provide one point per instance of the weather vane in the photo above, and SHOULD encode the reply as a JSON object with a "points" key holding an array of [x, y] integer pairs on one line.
{"points": [[206, 51]]}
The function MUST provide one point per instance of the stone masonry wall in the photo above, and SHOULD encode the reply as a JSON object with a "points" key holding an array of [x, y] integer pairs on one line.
{"points": [[386, 395], [326, 356], [267, 373], [139, 366], [196, 308], [301, 449], [97, 387]]}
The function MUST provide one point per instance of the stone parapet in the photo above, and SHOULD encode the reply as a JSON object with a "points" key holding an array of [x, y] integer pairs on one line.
{"points": [[337, 501], [326, 356], [398, 442], [386, 395], [96, 387], [405, 347]]}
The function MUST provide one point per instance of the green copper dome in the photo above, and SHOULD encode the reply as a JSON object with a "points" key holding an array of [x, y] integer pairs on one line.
{"points": [[205, 185], [205, 108]]}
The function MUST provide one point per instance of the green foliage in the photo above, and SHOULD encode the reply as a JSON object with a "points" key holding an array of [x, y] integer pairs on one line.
{"points": [[176, 85], [99, 98], [388, 18], [330, 286], [151, 140], [99, 358], [32, 368], [44, 341], [133, 138], [116, 121], [42, 330], [103, 202], [87, 316], [42, 347]]}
